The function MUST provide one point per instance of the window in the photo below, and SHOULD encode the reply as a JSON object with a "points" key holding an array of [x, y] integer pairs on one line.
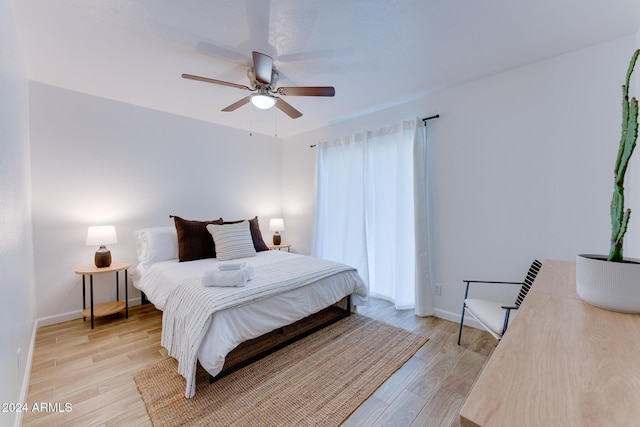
{"points": [[371, 211]]}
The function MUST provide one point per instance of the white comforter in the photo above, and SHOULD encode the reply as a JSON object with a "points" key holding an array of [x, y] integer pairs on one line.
{"points": [[234, 325]]}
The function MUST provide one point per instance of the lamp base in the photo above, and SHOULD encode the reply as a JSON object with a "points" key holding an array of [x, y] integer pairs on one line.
{"points": [[103, 257], [277, 239]]}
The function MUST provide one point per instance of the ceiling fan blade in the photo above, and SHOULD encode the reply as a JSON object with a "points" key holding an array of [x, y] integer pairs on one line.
{"points": [[263, 65], [307, 91], [218, 82], [287, 108], [258, 23], [238, 104]]}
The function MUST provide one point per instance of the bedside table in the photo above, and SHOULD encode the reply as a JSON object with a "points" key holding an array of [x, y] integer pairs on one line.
{"points": [[106, 308], [286, 246]]}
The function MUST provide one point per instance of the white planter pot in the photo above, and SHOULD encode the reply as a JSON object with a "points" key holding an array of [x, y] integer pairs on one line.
{"points": [[610, 285]]}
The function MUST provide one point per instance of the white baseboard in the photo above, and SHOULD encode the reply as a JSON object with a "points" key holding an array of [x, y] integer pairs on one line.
{"points": [[455, 317], [58, 318], [72, 315], [27, 374]]}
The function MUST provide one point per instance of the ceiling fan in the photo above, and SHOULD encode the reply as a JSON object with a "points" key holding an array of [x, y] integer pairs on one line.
{"points": [[263, 78]]}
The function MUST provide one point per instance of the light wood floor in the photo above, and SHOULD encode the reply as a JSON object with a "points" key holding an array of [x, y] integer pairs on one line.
{"points": [[93, 371]]}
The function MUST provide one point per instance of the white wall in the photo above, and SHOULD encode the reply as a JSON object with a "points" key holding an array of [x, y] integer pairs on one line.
{"points": [[97, 161], [298, 193], [17, 309], [520, 163]]}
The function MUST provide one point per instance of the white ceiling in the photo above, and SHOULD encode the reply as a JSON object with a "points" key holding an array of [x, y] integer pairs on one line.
{"points": [[375, 53]]}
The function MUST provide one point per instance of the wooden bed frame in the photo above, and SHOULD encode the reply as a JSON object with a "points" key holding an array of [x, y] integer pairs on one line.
{"points": [[255, 349], [262, 346]]}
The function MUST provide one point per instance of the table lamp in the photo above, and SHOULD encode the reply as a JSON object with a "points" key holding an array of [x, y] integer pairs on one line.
{"points": [[277, 225], [102, 235]]}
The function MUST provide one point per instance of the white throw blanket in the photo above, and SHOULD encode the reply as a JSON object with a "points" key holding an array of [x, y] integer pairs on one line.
{"points": [[189, 307]]}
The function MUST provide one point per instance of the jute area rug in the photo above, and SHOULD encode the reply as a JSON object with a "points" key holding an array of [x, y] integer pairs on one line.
{"points": [[319, 380]]}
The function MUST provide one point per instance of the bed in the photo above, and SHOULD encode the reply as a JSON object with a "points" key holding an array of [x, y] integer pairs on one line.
{"points": [[285, 287]]}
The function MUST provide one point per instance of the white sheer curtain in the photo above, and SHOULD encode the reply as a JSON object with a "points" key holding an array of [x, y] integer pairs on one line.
{"points": [[371, 211]]}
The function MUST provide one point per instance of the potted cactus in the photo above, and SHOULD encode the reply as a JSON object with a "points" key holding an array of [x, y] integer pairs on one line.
{"points": [[613, 282]]}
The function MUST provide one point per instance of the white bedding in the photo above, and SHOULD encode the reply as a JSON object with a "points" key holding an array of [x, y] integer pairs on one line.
{"points": [[232, 326]]}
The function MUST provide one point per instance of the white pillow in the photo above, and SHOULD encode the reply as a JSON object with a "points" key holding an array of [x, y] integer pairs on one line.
{"points": [[232, 240], [156, 244]]}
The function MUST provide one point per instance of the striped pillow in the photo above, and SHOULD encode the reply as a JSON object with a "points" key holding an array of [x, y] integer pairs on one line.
{"points": [[232, 241]]}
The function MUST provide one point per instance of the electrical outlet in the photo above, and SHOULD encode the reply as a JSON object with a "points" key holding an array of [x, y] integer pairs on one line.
{"points": [[437, 289], [18, 357]]}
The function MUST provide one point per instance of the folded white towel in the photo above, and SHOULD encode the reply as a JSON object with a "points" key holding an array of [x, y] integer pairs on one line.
{"points": [[248, 272], [224, 278], [236, 277], [231, 266]]}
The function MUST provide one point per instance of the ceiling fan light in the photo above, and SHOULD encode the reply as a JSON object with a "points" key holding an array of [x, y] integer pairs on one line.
{"points": [[264, 102]]}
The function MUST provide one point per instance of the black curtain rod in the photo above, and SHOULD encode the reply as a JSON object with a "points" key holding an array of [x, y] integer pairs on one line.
{"points": [[429, 118]]}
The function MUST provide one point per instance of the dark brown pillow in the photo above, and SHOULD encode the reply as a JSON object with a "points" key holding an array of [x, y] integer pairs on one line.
{"points": [[194, 241], [256, 235]]}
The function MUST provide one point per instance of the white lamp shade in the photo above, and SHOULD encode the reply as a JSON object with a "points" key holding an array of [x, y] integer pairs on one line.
{"points": [[264, 102], [276, 224], [101, 235]]}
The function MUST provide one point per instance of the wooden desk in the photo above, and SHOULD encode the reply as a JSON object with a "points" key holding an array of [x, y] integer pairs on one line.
{"points": [[562, 362]]}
